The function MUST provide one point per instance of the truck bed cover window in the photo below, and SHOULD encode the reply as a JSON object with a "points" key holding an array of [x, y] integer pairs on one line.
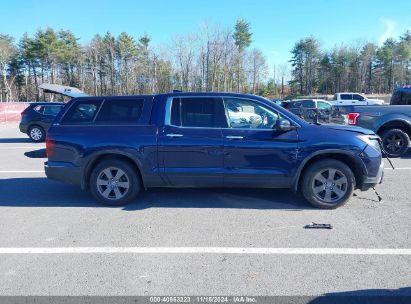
{"points": [[121, 110], [82, 112]]}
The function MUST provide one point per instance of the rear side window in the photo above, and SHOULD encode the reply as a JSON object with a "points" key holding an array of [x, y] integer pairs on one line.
{"points": [[52, 110], [308, 104], [82, 112], [39, 109], [346, 96], [120, 111], [198, 112]]}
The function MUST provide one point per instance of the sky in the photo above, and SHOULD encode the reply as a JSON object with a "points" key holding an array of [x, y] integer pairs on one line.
{"points": [[276, 25]]}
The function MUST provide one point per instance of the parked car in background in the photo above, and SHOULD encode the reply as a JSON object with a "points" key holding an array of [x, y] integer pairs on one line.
{"points": [[37, 118], [346, 99], [391, 123], [118, 146], [281, 103], [308, 104], [312, 110], [401, 96]]}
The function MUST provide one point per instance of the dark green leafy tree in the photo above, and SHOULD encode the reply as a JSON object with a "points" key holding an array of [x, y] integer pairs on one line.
{"points": [[242, 37]]}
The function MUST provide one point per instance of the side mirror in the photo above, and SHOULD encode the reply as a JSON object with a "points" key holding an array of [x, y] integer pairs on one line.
{"points": [[284, 125]]}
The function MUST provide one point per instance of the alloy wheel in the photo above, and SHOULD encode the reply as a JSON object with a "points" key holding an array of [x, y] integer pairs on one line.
{"points": [[36, 134], [113, 183], [394, 143], [330, 185]]}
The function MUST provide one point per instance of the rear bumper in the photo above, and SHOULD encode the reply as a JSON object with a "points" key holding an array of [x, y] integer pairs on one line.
{"points": [[64, 172], [370, 182], [23, 128]]}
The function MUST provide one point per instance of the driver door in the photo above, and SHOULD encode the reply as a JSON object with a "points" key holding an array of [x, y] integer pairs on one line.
{"points": [[255, 153]]}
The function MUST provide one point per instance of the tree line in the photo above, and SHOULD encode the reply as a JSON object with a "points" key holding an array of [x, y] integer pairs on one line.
{"points": [[213, 59], [364, 67]]}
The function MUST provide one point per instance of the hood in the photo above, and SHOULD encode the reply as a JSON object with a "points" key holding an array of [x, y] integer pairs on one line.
{"points": [[349, 128], [63, 90]]}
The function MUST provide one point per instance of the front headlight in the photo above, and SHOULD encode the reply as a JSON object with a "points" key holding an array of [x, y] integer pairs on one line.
{"points": [[371, 140]]}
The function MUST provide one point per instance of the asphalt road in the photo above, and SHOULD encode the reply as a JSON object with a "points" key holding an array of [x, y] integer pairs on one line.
{"points": [[191, 238]]}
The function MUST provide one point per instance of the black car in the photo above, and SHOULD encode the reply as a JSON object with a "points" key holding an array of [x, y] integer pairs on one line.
{"points": [[37, 118], [311, 110], [401, 96]]}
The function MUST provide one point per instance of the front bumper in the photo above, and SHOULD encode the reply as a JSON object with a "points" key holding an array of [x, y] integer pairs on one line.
{"points": [[370, 182]]}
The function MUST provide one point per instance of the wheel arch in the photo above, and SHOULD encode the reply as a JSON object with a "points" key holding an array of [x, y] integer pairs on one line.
{"points": [[398, 123], [34, 124], [353, 162], [97, 158]]}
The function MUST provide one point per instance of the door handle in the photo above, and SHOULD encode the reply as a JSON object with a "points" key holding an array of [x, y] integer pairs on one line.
{"points": [[234, 137], [174, 135]]}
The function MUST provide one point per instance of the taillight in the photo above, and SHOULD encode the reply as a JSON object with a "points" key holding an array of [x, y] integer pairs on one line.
{"points": [[49, 147], [352, 118]]}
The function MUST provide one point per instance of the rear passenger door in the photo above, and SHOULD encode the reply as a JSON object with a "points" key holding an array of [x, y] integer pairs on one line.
{"points": [[345, 99], [190, 144]]}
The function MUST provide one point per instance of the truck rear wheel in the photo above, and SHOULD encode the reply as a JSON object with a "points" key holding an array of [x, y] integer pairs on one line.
{"points": [[114, 182], [395, 142], [328, 184]]}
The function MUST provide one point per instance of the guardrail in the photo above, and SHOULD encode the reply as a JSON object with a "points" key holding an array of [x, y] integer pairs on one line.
{"points": [[10, 111]]}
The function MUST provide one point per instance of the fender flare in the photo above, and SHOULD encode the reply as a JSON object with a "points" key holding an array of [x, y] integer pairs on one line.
{"points": [[393, 118], [353, 157], [94, 156]]}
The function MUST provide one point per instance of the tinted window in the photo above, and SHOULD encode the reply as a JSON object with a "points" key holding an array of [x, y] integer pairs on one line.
{"points": [[121, 110], [244, 113], [308, 104], [295, 104], [52, 110], [358, 97], [175, 112], [82, 112], [197, 112], [346, 97], [39, 109]]}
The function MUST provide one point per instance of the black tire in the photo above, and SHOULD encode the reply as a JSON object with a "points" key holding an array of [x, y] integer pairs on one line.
{"points": [[110, 198], [395, 142], [36, 134], [340, 192]]}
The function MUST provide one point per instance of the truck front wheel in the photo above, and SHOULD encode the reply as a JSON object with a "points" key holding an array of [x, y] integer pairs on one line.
{"points": [[328, 184], [114, 182]]}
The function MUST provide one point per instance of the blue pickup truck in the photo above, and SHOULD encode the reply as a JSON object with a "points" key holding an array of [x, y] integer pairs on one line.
{"points": [[117, 146]]}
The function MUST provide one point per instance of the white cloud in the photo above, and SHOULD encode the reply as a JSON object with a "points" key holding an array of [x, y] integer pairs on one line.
{"points": [[390, 27]]}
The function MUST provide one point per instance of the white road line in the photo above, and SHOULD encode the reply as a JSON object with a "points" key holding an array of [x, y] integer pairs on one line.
{"points": [[404, 168], [206, 250], [20, 147], [21, 171]]}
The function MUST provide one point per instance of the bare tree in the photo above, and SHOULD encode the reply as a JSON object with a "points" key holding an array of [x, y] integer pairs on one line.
{"points": [[7, 51]]}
